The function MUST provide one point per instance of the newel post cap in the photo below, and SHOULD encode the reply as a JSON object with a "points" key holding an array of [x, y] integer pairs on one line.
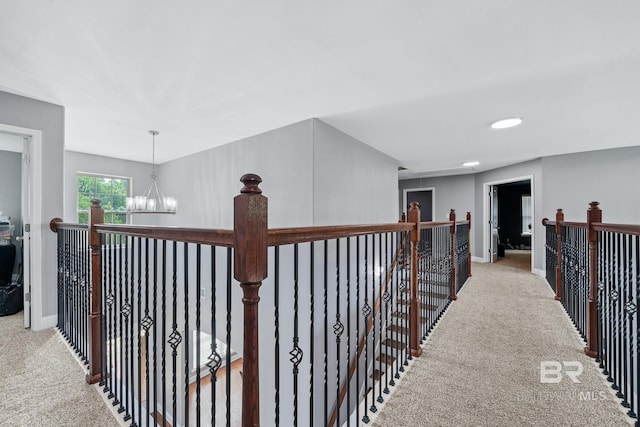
{"points": [[251, 182]]}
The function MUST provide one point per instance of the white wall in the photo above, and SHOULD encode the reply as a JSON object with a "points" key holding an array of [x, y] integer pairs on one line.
{"points": [[48, 118]]}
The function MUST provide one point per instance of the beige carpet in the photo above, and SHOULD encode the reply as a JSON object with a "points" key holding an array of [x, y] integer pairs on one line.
{"points": [[516, 258], [481, 366], [41, 384]]}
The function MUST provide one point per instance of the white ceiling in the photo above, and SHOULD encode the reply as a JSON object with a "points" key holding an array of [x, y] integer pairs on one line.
{"points": [[417, 80]]}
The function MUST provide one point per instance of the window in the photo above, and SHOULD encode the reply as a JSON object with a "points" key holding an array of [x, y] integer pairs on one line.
{"points": [[526, 214], [112, 192]]}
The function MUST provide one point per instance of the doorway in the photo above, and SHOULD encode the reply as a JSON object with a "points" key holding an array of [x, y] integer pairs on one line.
{"points": [[425, 199], [24, 144], [509, 231]]}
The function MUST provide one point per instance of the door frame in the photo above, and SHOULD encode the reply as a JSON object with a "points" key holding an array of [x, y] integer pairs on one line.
{"points": [[486, 232], [35, 182], [433, 199]]}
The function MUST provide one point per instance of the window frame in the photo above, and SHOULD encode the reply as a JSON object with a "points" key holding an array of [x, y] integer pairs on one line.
{"points": [[106, 212], [526, 226]]}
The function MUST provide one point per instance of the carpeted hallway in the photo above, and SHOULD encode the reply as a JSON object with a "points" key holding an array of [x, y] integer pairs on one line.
{"points": [[481, 366]]}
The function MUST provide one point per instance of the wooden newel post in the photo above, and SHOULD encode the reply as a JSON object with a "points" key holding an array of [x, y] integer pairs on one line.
{"points": [[414, 319], [454, 271], [594, 214], [250, 269], [469, 240], [559, 220], [96, 216]]}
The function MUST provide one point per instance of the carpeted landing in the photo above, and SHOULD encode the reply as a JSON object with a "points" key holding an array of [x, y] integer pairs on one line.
{"points": [[41, 384], [481, 365]]}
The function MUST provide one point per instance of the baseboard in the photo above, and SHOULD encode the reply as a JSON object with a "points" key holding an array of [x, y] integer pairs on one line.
{"points": [[45, 323], [539, 272], [477, 259]]}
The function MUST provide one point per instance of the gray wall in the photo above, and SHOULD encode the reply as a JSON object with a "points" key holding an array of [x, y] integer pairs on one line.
{"points": [[11, 193], [24, 112], [611, 177], [453, 192], [81, 162], [352, 182], [570, 182], [206, 183], [312, 174]]}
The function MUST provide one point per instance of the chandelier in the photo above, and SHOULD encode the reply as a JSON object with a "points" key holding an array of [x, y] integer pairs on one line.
{"points": [[153, 201]]}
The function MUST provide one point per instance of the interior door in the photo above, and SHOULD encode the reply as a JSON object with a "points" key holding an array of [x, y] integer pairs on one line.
{"points": [[425, 201], [25, 239], [493, 222]]}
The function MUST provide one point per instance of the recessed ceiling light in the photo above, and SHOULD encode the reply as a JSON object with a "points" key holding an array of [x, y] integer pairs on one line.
{"points": [[469, 164], [509, 122]]}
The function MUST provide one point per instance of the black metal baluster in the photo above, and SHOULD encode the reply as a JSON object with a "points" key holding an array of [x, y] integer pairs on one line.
{"points": [[296, 352], [126, 310], [613, 297], [120, 287], [624, 295], [133, 333], [348, 358], [198, 291], [635, 348], [311, 330], [139, 331], [402, 313], [163, 339], [373, 407], [228, 354], [366, 311], [380, 291], [214, 360], [607, 301], [358, 328], [187, 334], [338, 329], [386, 297], [394, 302], [276, 314], [618, 315], [174, 338], [106, 334], [154, 315], [146, 323], [325, 334]]}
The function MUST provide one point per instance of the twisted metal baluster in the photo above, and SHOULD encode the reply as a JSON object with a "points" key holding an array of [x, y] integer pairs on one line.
{"points": [[214, 361], [296, 352], [338, 329], [174, 337]]}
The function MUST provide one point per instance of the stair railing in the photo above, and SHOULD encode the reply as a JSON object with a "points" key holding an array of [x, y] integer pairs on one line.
{"points": [[595, 271], [156, 292]]}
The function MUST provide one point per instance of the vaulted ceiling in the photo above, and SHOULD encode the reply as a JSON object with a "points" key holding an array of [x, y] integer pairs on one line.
{"points": [[418, 80]]}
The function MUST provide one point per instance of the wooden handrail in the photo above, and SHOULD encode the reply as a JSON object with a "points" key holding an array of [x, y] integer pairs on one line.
{"points": [[203, 236], [57, 224], [288, 236], [632, 229]]}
